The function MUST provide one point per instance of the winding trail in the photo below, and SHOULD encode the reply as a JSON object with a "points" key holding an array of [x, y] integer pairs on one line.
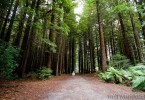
{"points": [[90, 88]]}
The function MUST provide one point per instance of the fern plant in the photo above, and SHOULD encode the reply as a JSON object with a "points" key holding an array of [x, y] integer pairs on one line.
{"points": [[119, 61], [138, 70], [139, 83], [107, 76], [112, 75], [138, 74], [134, 76]]}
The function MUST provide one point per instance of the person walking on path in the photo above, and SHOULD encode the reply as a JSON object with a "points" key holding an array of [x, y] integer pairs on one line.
{"points": [[73, 74]]}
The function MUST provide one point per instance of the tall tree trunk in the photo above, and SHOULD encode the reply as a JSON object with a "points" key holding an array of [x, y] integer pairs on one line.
{"points": [[7, 38], [85, 52], [17, 41], [6, 21], [102, 43], [81, 61], [127, 51], [30, 46], [79, 55], [24, 47], [57, 54], [62, 55], [112, 40], [73, 55], [51, 36], [66, 57], [138, 47], [70, 54]]}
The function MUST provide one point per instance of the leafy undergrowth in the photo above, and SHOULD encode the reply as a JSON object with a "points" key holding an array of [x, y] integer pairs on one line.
{"points": [[42, 73], [9, 58], [134, 76]]}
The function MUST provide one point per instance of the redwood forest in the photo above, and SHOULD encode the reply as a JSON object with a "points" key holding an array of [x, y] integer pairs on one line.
{"points": [[72, 49]]}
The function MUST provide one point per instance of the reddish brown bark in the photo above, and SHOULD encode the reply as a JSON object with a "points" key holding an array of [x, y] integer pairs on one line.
{"points": [[102, 42]]}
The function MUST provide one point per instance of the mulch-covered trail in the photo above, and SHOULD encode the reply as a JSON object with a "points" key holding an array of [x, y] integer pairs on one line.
{"points": [[66, 87]]}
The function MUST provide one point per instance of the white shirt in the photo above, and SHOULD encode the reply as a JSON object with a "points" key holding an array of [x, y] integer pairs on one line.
{"points": [[73, 74]]}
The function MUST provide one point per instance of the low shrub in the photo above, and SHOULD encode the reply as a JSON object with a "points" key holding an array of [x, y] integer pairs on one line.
{"points": [[119, 61], [8, 61], [112, 75], [32, 75], [42, 73]]}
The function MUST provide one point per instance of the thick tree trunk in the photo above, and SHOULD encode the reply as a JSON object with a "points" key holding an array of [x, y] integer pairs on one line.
{"points": [[51, 37], [30, 46], [102, 42], [24, 46], [62, 66], [91, 48]]}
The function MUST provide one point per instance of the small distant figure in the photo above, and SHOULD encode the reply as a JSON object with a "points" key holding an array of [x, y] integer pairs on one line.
{"points": [[73, 74]]}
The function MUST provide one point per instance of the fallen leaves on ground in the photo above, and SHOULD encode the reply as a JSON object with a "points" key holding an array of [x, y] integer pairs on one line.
{"points": [[26, 88]]}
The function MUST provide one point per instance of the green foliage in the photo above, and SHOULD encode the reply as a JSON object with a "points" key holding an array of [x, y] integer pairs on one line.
{"points": [[139, 83], [119, 61], [44, 73], [51, 44], [138, 75], [133, 75], [124, 7], [112, 75], [138, 70], [67, 4], [32, 75], [127, 75], [65, 28], [107, 76], [8, 61]]}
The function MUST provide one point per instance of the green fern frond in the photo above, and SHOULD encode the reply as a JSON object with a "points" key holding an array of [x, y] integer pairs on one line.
{"points": [[139, 83]]}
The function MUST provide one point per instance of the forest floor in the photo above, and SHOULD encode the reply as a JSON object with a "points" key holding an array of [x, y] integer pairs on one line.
{"points": [[66, 87]]}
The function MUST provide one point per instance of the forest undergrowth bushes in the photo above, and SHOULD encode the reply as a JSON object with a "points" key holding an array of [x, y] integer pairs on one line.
{"points": [[119, 73], [42, 73], [119, 61], [9, 57]]}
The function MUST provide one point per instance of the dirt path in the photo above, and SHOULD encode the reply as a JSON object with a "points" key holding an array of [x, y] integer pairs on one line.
{"points": [[81, 87], [89, 88]]}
